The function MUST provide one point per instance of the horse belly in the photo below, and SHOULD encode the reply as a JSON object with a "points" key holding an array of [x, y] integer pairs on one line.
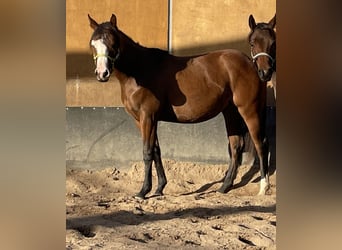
{"points": [[202, 93], [185, 116], [200, 108]]}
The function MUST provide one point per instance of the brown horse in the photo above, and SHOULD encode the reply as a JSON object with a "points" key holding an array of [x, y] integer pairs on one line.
{"points": [[157, 86], [262, 39]]}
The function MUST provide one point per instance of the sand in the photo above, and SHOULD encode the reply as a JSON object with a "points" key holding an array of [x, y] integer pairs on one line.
{"points": [[102, 213]]}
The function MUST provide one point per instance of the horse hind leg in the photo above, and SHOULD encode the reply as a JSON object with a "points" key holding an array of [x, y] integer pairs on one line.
{"points": [[162, 181]]}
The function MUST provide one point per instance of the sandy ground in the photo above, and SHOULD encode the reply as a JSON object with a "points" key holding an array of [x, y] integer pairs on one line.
{"points": [[101, 213]]}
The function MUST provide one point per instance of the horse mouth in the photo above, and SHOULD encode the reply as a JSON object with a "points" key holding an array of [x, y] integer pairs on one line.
{"points": [[100, 79]]}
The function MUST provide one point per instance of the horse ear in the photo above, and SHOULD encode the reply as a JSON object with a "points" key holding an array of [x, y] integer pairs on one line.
{"points": [[251, 22], [113, 20], [272, 22], [92, 22]]}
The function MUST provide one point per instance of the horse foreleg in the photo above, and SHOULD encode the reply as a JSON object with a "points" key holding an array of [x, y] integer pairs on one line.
{"points": [[148, 130], [253, 123], [160, 169], [234, 126], [235, 149]]}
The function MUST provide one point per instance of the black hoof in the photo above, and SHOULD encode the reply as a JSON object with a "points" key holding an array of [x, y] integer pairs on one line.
{"points": [[158, 193], [224, 189]]}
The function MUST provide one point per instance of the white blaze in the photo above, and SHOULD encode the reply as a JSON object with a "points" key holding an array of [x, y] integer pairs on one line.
{"points": [[101, 52]]}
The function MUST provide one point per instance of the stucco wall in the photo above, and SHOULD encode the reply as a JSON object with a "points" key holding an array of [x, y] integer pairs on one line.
{"points": [[144, 21], [201, 26]]}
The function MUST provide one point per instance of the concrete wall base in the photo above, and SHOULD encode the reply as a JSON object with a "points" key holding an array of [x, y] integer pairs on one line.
{"points": [[102, 137]]}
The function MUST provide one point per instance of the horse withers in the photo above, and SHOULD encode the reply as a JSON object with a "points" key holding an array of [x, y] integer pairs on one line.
{"points": [[157, 86]]}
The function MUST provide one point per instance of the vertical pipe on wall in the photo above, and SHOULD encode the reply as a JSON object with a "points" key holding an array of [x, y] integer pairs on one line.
{"points": [[169, 23]]}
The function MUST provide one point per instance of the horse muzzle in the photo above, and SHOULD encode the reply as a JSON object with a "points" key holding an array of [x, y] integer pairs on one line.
{"points": [[265, 75], [102, 76]]}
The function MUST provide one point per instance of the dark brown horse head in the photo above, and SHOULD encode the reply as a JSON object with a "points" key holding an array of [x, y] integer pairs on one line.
{"points": [[104, 43], [262, 40]]}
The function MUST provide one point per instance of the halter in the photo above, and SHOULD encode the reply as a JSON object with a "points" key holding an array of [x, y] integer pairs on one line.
{"points": [[254, 57], [109, 57]]}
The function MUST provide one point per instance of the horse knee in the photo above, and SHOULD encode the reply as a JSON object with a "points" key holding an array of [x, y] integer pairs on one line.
{"points": [[236, 145], [147, 155], [156, 151]]}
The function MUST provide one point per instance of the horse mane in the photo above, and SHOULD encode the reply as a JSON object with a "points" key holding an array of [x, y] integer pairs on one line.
{"points": [[134, 62], [138, 46]]}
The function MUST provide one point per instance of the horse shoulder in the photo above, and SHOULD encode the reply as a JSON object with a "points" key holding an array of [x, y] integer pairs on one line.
{"points": [[137, 99], [128, 89], [243, 79]]}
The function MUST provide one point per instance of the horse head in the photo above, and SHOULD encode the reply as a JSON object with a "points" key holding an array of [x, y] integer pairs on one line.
{"points": [[104, 43], [262, 39]]}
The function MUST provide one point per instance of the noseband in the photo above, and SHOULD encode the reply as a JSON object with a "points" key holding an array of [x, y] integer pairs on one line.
{"points": [[109, 57], [103, 55], [254, 57]]}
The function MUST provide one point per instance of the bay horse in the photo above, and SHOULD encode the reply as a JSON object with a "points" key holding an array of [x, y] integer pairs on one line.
{"points": [[262, 40], [157, 86]]}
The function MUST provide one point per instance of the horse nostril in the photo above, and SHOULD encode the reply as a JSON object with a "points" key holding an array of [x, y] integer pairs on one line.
{"points": [[106, 73]]}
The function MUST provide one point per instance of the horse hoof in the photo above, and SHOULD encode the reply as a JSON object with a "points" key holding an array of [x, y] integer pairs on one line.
{"points": [[158, 193], [265, 191], [224, 189], [139, 196]]}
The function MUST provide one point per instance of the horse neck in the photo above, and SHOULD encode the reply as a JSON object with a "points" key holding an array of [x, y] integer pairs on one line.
{"points": [[132, 56]]}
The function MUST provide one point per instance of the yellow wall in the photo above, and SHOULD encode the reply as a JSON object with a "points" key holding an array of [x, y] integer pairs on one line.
{"points": [[200, 26], [197, 26], [145, 21]]}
